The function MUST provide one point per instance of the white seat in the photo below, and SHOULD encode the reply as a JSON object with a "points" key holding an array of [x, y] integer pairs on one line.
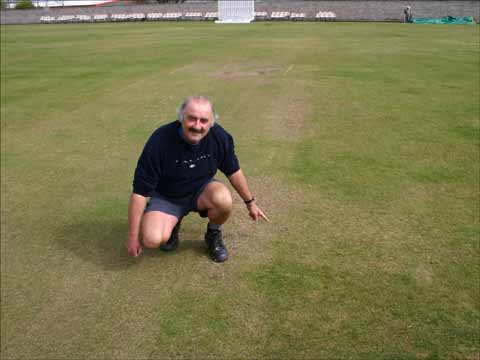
{"points": [[83, 18], [211, 16], [172, 16], [154, 16], [326, 16], [297, 16], [65, 18], [260, 15], [47, 19], [193, 16], [284, 15], [100, 17]]}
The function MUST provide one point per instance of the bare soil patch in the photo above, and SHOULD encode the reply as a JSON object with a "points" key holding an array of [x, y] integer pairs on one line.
{"points": [[236, 71]]}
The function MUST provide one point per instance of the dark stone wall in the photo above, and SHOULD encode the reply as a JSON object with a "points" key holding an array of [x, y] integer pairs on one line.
{"points": [[356, 10]]}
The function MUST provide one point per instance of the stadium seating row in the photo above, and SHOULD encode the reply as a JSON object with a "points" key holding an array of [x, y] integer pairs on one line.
{"points": [[297, 16], [262, 15], [280, 15], [276, 15], [326, 16], [127, 17], [172, 16], [320, 16]]}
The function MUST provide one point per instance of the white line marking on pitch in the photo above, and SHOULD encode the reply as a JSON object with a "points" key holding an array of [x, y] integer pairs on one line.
{"points": [[289, 68]]}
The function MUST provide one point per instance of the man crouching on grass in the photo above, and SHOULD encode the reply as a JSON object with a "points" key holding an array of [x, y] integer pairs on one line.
{"points": [[176, 171]]}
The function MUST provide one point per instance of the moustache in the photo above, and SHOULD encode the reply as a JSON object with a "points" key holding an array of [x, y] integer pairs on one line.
{"points": [[195, 131]]}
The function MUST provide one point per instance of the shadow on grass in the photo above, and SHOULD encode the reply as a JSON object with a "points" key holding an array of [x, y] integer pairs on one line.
{"points": [[102, 244]]}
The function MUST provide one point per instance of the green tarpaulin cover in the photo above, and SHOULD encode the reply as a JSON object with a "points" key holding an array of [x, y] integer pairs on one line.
{"points": [[445, 20]]}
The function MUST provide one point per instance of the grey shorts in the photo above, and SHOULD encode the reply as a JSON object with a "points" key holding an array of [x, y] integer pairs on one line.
{"points": [[177, 207]]}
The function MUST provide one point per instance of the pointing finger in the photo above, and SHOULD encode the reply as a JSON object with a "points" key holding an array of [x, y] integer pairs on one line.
{"points": [[265, 217]]}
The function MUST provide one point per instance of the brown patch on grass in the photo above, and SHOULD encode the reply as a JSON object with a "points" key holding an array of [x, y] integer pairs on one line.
{"points": [[345, 230], [236, 71], [253, 240], [361, 239]]}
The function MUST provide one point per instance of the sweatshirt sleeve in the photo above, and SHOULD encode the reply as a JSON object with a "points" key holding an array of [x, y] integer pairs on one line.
{"points": [[148, 170], [229, 163]]}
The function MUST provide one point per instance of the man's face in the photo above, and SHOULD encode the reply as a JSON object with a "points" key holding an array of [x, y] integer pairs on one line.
{"points": [[197, 121]]}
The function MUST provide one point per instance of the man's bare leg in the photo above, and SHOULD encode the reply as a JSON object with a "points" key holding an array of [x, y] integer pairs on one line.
{"points": [[157, 228]]}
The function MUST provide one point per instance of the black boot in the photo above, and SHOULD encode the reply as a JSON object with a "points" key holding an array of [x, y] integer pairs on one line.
{"points": [[216, 248], [172, 243]]}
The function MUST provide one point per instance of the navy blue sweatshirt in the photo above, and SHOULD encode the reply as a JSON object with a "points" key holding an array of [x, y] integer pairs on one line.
{"points": [[174, 168]]}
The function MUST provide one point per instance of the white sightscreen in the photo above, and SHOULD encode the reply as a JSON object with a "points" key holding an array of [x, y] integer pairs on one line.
{"points": [[236, 11]]}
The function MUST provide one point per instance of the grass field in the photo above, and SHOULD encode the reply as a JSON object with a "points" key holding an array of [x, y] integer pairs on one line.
{"points": [[360, 141]]}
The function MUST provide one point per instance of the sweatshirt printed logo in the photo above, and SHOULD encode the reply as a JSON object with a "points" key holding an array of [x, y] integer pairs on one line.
{"points": [[191, 163]]}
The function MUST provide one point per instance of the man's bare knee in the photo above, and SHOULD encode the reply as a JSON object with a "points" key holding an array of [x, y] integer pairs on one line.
{"points": [[222, 199], [156, 228], [153, 240]]}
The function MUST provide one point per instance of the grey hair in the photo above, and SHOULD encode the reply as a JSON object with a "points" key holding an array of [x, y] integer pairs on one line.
{"points": [[181, 109]]}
